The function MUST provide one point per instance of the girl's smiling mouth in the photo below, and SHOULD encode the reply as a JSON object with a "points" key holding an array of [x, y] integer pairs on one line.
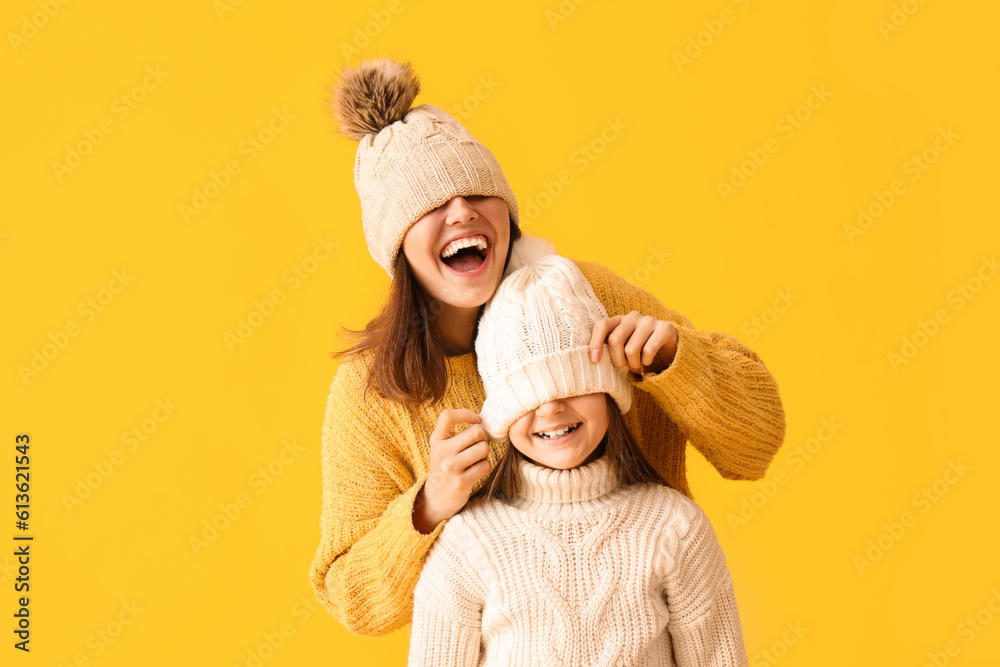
{"points": [[558, 435]]}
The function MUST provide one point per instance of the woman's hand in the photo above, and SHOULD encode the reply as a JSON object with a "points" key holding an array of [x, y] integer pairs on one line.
{"points": [[641, 342], [457, 462]]}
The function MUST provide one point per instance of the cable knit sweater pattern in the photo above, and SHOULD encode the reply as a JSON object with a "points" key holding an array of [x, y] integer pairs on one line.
{"points": [[577, 571], [716, 394]]}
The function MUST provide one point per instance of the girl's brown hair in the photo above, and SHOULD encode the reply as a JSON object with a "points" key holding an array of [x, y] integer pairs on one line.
{"points": [[409, 359], [624, 455]]}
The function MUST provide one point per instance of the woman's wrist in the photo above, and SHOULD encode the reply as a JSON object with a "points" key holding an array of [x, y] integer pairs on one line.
{"points": [[424, 518]]}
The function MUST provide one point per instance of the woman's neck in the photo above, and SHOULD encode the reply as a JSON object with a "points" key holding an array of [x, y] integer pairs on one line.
{"points": [[455, 326]]}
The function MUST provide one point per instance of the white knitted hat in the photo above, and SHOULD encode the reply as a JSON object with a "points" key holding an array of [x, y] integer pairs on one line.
{"points": [[409, 160], [532, 344]]}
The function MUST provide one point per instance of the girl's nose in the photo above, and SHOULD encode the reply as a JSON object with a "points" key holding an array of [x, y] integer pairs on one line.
{"points": [[550, 408]]}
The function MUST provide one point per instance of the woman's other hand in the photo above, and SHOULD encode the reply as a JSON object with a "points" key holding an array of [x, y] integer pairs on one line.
{"points": [[457, 462]]}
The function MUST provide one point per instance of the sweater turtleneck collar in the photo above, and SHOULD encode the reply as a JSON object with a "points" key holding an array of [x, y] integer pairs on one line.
{"points": [[553, 491]]}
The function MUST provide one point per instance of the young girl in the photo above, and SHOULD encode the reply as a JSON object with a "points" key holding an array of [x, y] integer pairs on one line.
{"points": [[575, 552], [441, 219]]}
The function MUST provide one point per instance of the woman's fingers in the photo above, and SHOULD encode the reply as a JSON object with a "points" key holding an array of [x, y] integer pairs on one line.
{"points": [[454, 458], [601, 330], [645, 327], [478, 470], [663, 335], [618, 338], [448, 419], [469, 437], [471, 455], [634, 340]]}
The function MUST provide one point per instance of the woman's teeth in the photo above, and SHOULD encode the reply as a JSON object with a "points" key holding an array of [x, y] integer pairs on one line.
{"points": [[551, 435], [479, 242]]}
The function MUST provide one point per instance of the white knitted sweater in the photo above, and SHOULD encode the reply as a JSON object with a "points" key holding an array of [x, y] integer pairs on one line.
{"points": [[578, 570]]}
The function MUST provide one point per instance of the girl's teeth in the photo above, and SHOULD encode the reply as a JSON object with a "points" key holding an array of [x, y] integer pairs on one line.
{"points": [[557, 434]]}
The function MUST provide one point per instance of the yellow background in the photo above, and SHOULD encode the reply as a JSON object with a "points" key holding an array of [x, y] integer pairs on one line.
{"points": [[651, 192]]}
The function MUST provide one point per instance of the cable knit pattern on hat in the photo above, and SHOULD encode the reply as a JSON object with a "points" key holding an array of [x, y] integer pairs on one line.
{"points": [[533, 343], [581, 571]]}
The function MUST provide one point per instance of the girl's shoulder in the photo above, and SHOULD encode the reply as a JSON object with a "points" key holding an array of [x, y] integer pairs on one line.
{"points": [[460, 561], [483, 521], [473, 512], [673, 508], [460, 543]]}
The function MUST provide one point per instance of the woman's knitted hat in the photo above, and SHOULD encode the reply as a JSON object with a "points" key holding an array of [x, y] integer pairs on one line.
{"points": [[409, 160], [532, 344]]}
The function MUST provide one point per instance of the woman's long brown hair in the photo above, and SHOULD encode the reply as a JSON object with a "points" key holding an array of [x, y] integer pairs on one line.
{"points": [[624, 455], [409, 359]]}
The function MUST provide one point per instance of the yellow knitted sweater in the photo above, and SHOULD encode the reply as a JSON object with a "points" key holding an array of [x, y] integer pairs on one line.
{"points": [[716, 394]]}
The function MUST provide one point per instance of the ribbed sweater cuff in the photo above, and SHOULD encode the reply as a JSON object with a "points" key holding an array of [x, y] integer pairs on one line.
{"points": [[409, 542]]}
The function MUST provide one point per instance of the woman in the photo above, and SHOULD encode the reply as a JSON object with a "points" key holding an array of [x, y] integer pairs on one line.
{"points": [[441, 219]]}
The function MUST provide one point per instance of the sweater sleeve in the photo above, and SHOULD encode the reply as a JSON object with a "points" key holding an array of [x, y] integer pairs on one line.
{"points": [[716, 390], [704, 623], [370, 555], [447, 609]]}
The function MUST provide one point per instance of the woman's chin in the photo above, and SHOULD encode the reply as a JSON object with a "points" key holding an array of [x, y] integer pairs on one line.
{"points": [[462, 292], [469, 297]]}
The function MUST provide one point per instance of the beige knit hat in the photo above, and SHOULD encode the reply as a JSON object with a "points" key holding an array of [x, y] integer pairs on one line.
{"points": [[532, 345], [409, 160]]}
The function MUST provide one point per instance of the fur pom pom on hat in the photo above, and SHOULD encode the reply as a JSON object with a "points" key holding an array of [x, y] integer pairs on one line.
{"points": [[533, 343], [375, 94], [410, 159]]}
